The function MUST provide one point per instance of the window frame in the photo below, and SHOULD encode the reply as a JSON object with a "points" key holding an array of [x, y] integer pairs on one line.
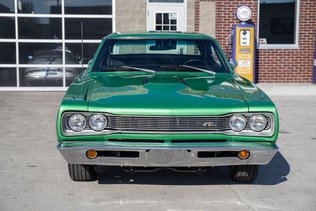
{"points": [[184, 3], [63, 41], [106, 48], [167, 24], [296, 31]]}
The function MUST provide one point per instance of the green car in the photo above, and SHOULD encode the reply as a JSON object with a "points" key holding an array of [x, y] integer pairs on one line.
{"points": [[170, 100]]}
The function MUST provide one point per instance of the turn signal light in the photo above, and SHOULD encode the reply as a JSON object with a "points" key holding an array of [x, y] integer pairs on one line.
{"points": [[243, 154], [92, 154]]}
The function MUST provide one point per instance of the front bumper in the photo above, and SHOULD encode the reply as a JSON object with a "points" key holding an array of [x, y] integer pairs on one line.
{"points": [[167, 156]]}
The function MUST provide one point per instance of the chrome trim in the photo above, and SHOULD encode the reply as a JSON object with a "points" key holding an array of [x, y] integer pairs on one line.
{"points": [[85, 123], [269, 131], [168, 156], [236, 116], [105, 124]]}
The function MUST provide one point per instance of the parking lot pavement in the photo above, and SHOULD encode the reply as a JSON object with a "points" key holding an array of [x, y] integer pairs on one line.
{"points": [[33, 175]]}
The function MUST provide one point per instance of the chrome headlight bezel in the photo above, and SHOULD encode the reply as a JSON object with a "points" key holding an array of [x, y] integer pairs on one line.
{"points": [[253, 124], [96, 117], [237, 122], [268, 131], [77, 117]]}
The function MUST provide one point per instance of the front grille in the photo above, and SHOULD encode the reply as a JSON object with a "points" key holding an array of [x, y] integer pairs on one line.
{"points": [[158, 123], [136, 140], [199, 141], [166, 124], [162, 141]]}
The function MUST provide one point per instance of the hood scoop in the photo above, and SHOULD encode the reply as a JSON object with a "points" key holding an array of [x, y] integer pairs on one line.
{"points": [[164, 95], [118, 81], [164, 80]]}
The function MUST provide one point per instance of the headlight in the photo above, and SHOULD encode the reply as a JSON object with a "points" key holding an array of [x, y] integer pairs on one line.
{"points": [[77, 122], [258, 122], [98, 122], [237, 122]]}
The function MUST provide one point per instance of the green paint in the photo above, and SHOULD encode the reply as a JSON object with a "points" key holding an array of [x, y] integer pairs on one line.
{"points": [[166, 94]]}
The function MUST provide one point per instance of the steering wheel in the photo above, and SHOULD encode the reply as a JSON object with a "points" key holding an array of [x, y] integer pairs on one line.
{"points": [[194, 61]]}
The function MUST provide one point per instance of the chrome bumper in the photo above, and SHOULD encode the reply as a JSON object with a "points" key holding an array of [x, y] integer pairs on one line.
{"points": [[168, 156]]}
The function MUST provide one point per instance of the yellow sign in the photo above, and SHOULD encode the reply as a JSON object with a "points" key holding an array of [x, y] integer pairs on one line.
{"points": [[245, 51]]}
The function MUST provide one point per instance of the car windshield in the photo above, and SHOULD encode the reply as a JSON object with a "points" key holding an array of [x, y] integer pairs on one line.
{"points": [[160, 55]]}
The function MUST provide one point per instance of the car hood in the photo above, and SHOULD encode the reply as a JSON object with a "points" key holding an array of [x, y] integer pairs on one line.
{"points": [[165, 95]]}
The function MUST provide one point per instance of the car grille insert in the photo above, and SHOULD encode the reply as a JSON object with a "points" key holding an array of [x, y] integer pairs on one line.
{"points": [[168, 123], [198, 141], [136, 140]]}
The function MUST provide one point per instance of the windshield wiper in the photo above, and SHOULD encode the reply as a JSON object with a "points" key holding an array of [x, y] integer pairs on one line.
{"points": [[124, 67], [199, 69], [137, 68]]}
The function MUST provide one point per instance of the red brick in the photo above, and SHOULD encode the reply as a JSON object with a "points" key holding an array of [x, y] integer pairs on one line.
{"points": [[275, 65]]}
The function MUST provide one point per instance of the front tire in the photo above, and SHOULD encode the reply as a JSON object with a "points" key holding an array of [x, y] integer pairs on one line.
{"points": [[244, 173], [82, 173]]}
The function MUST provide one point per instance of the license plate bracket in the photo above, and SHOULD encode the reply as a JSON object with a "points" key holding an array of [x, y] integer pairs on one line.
{"points": [[167, 157]]}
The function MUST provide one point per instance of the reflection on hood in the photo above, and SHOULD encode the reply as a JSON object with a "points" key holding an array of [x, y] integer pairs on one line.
{"points": [[152, 85]]}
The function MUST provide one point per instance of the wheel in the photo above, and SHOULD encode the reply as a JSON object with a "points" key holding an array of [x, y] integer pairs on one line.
{"points": [[84, 173], [244, 173]]}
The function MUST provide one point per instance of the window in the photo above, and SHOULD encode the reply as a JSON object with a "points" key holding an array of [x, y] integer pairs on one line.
{"points": [[93, 28], [7, 53], [160, 55], [278, 23], [75, 50], [165, 47], [214, 56], [88, 7], [7, 29], [39, 6], [40, 28], [166, 21], [7, 6], [40, 40], [40, 53], [7, 76]]}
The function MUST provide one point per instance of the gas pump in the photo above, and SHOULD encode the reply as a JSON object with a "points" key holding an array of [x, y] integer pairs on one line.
{"points": [[243, 45]]}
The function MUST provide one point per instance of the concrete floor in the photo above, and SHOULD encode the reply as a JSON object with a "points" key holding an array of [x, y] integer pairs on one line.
{"points": [[33, 175]]}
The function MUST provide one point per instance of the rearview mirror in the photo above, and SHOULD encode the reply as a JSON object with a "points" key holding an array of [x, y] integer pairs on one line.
{"points": [[163, 45]]}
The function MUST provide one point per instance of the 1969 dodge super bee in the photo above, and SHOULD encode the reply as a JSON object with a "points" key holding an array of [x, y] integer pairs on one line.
{"points": [[157, 100]]}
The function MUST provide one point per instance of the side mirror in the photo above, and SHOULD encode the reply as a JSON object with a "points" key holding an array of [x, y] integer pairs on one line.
{"points": [[233, 63]]}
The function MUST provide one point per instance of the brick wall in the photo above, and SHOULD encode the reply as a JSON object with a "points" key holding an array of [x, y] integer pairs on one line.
{"points": [[197, 16], [285, 65]]}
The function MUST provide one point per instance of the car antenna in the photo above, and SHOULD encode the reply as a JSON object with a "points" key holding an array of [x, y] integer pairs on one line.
{"points": [[81, 34]]}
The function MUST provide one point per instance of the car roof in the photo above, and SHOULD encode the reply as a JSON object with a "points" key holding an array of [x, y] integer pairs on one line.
{"points": [[159, 35]]}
